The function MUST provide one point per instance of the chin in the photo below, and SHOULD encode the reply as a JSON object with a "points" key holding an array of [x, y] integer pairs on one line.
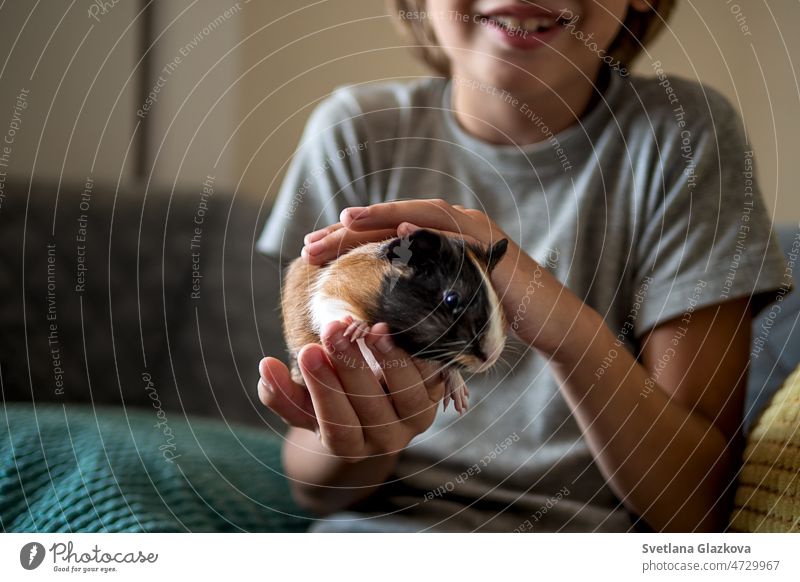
{"points": [[521, 78]]}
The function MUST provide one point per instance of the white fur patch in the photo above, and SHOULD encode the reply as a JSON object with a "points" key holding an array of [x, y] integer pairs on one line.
{"points": [[325, 309], [495, 338]]}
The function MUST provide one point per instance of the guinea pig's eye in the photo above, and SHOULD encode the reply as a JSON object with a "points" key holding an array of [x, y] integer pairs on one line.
{"points": [[452, 300]]}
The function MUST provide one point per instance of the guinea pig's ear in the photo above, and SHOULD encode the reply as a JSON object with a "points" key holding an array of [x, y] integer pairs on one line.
{"points": [[419, 250], [490, 255], [495, 253]]}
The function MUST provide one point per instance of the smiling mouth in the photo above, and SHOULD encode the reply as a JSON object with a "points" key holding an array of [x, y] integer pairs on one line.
{"points": [[523, 26]]}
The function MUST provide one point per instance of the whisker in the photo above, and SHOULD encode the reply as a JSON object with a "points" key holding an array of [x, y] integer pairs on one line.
{"points": [[434, 348], [515, 350], [433, 353], [505, 361], [458, 349], [453, 343]]}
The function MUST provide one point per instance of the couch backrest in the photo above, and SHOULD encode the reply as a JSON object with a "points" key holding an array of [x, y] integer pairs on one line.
{"points": [[99, 297], [776, 337]]}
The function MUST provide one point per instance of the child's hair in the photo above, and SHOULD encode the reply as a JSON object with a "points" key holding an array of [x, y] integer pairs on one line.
{"points": [[638, 29]]}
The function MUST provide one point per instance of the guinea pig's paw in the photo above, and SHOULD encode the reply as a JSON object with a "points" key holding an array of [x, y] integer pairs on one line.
{"points": [[461, 402], [456, 390], [356, 329]]}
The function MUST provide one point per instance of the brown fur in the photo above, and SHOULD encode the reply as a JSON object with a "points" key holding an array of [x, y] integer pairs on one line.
{"points": [[299, 279], [354, 278]]}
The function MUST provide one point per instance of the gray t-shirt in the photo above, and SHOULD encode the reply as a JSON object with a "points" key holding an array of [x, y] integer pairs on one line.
{"points": [[645, 208]]}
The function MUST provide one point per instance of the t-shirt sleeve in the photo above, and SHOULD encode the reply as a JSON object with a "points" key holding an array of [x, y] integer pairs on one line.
{"points": [[325, 176], [708, 235]]}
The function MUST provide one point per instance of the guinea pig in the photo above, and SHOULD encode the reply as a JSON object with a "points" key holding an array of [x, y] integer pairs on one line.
{"points": [[432, 290]]}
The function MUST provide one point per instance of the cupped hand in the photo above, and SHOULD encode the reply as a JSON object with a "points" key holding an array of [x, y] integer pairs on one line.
{"points": [[348, 407]]}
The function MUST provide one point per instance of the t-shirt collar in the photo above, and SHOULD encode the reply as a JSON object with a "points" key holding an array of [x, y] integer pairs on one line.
{"points": [[555, 153]]}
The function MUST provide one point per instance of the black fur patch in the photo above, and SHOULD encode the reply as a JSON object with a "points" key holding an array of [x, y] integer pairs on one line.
{"points": [[411, 302]]}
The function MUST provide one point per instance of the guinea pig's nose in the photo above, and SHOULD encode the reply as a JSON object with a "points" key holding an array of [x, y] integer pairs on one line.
{"points": [[477, 351]]}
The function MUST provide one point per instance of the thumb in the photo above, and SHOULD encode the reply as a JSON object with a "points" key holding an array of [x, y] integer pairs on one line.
{"points": [[290, 400]]}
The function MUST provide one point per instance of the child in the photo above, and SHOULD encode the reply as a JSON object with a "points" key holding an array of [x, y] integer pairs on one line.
{"points": [[641, 249]]}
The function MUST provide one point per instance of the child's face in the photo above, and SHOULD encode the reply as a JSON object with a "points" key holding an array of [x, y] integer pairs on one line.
{"points": [[523, 46]]}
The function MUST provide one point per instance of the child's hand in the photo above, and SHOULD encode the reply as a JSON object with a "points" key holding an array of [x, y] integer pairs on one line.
{"points": [[353, 415], [378, 222], [538, 308]]}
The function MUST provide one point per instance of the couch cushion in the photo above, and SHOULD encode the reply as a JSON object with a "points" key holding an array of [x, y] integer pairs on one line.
{"points": [[78, 468], [776, 335], [768, 494]]}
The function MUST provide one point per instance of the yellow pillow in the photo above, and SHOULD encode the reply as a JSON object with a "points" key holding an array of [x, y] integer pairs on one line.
{"points": [[768, 493]]}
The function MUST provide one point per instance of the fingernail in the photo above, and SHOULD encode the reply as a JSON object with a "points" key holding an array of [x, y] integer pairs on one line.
{"points": [[407, 227], [356, 212], [314, 360], [314, 248], [384, 344], [314, 236], [268, 385], [262, 368]]}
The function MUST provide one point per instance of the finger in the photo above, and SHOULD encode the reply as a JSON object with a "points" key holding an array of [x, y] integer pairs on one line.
{"points": [[435, 213], [432, 376], [340, 241], [472, 213], [477, 214], [282, 395], [321, 233], [406, 228], [371, 404], [339, 428], [403, 380]]}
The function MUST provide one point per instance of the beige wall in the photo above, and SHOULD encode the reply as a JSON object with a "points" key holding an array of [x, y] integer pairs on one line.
{"points": [[292, 58], [198, 62], [756, 71], [77, 121], [83, 80]]}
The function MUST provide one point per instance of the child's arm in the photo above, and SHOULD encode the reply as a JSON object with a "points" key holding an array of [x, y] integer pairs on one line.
{"points": [[360, 428], [665, 446], [669, 448], [323, 483]]}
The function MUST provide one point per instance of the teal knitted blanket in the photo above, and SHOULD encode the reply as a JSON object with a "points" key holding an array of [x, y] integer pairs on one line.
{"points": [[69, 468]]}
